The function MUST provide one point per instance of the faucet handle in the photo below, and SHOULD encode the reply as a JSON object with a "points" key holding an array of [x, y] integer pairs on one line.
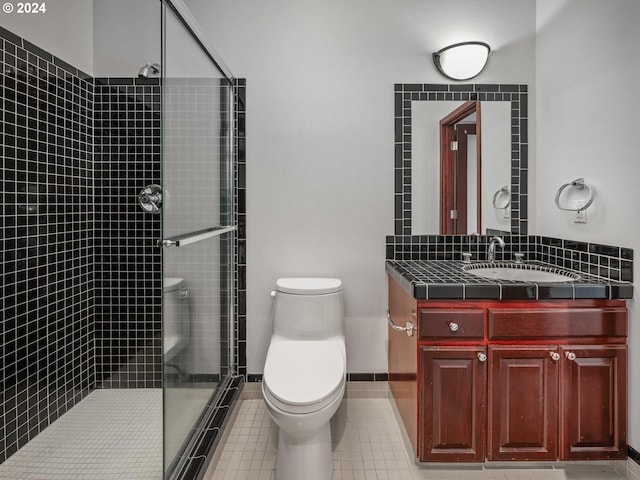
{"points": [[466, 257], [519, 257]]}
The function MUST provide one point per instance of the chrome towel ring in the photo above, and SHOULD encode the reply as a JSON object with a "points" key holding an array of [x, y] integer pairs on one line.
{"points": [[580, 184], [503, 191]]}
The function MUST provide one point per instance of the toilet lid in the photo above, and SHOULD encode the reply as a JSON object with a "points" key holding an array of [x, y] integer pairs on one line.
{"points": [[308, 286], [302, 376]]}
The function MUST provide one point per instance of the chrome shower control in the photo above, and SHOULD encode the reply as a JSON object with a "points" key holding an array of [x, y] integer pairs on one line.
{"points": [[150, 198]]}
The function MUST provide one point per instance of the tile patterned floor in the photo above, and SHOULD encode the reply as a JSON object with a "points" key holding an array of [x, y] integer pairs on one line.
{"points": [[367, 445], [110, 435], [117, 435]]}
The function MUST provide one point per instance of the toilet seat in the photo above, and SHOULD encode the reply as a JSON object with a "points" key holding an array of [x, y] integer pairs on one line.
{"points": [[303, 376]]}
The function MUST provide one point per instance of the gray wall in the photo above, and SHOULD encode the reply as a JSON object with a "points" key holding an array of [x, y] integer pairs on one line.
{"points": [[320, 129], [587, 108]]}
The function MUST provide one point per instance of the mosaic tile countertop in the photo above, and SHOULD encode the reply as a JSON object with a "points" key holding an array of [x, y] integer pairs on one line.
{"points": [[445, 279]]}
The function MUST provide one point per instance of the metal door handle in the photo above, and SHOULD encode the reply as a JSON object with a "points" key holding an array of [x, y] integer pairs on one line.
{"points": [[193, 237]]}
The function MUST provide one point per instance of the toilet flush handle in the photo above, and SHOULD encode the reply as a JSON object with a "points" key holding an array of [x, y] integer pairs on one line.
{"points": [[273, 294]]}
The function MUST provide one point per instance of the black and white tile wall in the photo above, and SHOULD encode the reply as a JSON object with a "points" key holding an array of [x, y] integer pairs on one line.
{"points": [[128, 268], [240, 184], [610, 262], [607, 261], [80, 275], [46, 235]]}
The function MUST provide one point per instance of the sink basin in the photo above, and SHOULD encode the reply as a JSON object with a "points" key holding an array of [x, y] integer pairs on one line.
{"points": [[520, 272]]}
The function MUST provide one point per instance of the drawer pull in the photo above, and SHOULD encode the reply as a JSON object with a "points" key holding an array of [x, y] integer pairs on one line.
{"points": [[554, 356], [482, 356], [570, 355], [409, 328], [453, 326]]}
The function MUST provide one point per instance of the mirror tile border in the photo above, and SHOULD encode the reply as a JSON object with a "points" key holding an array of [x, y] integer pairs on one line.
{"points": [[404, 96]]}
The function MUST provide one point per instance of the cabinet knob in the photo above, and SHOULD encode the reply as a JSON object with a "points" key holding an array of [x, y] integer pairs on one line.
{"points": [[570, 355], [482, 356], [554, 356], [453, 326]]}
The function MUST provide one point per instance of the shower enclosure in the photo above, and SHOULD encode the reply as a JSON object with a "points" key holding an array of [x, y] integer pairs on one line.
{"points": [[118, 348], [198, 226]]}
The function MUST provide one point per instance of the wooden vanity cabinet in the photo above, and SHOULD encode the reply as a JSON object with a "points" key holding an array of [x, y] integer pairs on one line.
{"points": [[525, 380]]}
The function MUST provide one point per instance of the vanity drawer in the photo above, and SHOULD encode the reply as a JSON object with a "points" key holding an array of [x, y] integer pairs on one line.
{"points": [[507, 323], [465, 323]]}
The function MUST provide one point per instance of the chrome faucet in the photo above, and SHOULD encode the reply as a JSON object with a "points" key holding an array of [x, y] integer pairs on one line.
{"points": [[491, 251]]}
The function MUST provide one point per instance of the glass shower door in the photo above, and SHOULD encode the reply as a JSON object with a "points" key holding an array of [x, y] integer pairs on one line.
{"points": [[197, 233]]}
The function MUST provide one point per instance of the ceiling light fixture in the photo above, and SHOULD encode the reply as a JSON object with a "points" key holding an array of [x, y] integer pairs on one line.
{"points": [[462, 61]]}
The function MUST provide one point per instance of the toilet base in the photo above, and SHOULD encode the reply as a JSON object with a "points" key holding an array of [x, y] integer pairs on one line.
{"points": [[305, 457]]}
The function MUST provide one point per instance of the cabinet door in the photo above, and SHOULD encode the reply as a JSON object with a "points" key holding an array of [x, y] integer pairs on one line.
{"points": [[523, 403], [594, 396], [452, 404]]}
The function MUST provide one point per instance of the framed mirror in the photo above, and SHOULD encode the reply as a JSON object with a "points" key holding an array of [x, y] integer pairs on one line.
{"points": [[495, 176]]}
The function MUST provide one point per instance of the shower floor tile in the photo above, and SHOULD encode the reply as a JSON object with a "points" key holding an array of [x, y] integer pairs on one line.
{"points": [[110, 435], [367, 444]]}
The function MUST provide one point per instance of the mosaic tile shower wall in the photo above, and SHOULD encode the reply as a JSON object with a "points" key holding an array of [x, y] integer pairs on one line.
{"points": [[80, 291], [46, 238], [128, 268]]}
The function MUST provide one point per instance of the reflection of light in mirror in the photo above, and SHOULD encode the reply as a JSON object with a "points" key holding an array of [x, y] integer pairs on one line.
{"points": [[462, 61]]}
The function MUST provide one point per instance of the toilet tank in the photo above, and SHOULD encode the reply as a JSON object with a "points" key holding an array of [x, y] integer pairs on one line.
{"points": [[308, 308]]}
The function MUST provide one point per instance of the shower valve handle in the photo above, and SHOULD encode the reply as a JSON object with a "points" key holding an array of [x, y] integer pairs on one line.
{"points": [[150, 198]]}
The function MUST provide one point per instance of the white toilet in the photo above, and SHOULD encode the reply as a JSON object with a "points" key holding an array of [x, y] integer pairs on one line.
{"points": [[305, 374], [176, 316]]}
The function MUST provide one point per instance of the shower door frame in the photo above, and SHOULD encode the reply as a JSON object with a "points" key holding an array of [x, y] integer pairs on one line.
{"points": [[182, 467]]}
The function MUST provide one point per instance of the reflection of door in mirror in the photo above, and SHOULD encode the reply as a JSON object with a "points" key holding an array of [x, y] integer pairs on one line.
{"points": [[460, 164], [496, 151]]}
